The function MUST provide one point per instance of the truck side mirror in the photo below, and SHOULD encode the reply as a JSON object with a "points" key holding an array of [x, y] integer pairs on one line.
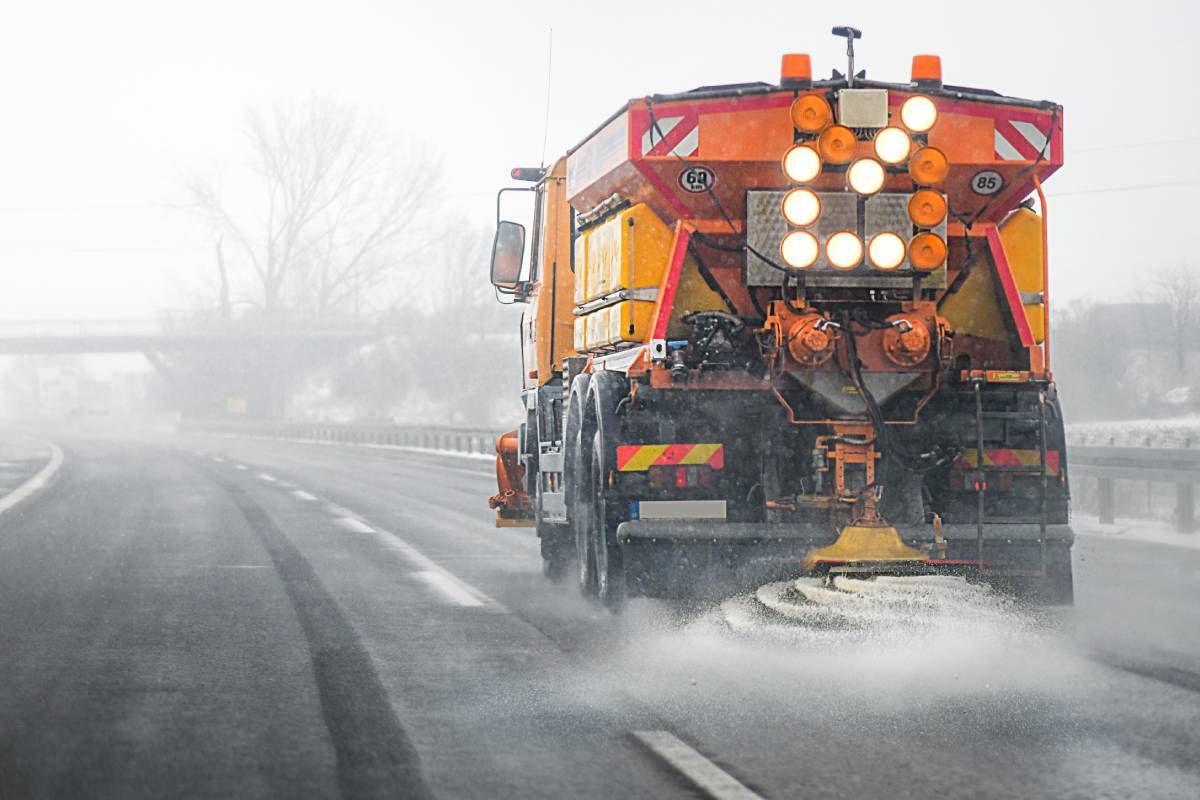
{"points": [[508, 251]]}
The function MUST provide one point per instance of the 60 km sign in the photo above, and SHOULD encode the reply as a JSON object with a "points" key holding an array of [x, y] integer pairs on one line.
{"points": [[696, 179]]}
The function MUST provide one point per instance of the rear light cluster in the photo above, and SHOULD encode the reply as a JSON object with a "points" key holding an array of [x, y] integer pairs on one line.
{"points": [[682, 477]]}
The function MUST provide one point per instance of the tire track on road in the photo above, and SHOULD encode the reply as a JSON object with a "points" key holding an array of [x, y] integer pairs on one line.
{"points": [[375, 757]]}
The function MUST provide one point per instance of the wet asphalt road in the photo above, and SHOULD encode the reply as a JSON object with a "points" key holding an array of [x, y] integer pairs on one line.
{"points": [[217, 617]]}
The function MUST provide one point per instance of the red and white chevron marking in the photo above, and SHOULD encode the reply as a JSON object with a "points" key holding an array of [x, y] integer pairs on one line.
{"points": [[1017, 140], [680, 136]]}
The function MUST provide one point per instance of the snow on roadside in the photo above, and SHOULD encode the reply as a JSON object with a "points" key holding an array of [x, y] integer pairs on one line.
{"points": [[1179, 432], [1148, 531]]}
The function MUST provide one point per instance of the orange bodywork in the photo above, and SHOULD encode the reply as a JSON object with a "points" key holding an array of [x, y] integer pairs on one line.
{"points": [[511, 502]]}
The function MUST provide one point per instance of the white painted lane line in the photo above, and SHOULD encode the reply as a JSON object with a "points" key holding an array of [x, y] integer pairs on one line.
{"points": [[444, 578], [217, 459], [303, 495], [36, 482], [454, 591], [354, 525], [262, 476], [707, 776], [242, 467], [338, 511]]}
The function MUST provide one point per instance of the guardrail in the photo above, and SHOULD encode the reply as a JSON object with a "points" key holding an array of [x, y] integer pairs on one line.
{"points": [[1131, 480], [429, 437]]}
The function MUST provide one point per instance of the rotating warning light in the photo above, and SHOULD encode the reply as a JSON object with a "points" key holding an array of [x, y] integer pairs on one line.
{"points": [[886, 251], [801, 207], [866, 176], [799, 249], [892, 145], [811, 113], [836, 144], [918, 113], [801, 164], [927, 208], [844, 250], [927, 251], [928, 166]]}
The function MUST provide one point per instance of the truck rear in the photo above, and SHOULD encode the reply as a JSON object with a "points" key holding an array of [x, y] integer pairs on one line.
{"points": [[776, 329]]}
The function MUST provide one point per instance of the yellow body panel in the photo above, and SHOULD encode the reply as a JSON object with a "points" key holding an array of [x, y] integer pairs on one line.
{"points": [[580, 294], [629, 251], [692, 294], [974, 310], [1021, 236], [630, 321]]}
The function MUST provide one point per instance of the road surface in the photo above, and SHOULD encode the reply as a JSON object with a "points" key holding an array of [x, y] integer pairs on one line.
{"points": [[222, 617]]}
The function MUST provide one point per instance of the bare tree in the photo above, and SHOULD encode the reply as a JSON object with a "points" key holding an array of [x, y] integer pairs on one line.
{"points": [[332, 208], [1179, 291]]}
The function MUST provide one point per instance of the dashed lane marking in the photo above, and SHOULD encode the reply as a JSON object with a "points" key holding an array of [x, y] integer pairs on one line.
{"points": [[710, 779], [303, 495], [354, 525], [262, 476], [217, 459], [438, 576], [451, 588], [242, 467]]}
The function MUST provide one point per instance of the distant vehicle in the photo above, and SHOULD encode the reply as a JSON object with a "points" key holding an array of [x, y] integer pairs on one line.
{"points": [[791, 328]]}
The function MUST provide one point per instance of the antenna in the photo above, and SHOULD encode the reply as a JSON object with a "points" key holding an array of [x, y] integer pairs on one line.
{"points": [[549, 73], [851, 34]]}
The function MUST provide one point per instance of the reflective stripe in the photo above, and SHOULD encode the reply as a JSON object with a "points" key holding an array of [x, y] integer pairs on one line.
{"points": [[651, 138], [641, 457], [1032, 135], [1005, 150], [1007, 457], [689, 145]]}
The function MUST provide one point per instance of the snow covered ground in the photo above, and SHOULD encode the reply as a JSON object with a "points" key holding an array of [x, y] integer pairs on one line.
{"points": [[1174, 432]]}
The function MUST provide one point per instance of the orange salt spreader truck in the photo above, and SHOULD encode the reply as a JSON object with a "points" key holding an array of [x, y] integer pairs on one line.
{"points": [[793, 328]]}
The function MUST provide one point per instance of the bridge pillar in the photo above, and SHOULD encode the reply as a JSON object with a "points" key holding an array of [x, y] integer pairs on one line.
{"points": [[1185, 507], [1108, 501]]}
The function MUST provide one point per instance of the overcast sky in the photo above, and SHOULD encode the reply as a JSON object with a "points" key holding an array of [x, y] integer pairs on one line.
{"points": [[108, 107]]}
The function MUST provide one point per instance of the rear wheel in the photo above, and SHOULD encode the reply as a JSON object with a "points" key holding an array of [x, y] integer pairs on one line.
{"points": [[609, 570]]}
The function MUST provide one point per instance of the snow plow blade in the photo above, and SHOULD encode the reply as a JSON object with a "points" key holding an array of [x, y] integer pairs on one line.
{"points": [[871, 548], [692, 558]]}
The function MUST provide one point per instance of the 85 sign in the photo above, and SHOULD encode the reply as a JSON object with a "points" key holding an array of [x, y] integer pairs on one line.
{"points": [[987, 182]]}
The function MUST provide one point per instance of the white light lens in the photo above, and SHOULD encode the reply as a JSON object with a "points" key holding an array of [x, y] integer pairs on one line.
{"points": [[844, 250], [799, 249], [801, 164], [866, 176], [892, 145], [918, 114], [801, 207], [886, 251]]}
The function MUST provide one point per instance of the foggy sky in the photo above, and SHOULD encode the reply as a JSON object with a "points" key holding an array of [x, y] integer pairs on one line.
{"points": [[109, 108]]}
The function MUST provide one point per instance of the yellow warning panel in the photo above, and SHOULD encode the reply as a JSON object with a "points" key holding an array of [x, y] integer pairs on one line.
{"points": [[1021, 237]]}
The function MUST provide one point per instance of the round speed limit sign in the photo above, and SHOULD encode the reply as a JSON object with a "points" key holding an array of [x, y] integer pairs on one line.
{"points": [[697, 179], [987, 182]]}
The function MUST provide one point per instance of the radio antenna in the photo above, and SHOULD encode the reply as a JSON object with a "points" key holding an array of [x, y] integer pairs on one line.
{"points": [[549, 74]]}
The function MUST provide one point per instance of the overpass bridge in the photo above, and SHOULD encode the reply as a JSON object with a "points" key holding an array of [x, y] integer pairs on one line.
{"points": [[156, 336]]}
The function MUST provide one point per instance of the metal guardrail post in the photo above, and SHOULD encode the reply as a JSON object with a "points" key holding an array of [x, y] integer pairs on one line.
{"points": [[1108, 500], [1185, 507]]}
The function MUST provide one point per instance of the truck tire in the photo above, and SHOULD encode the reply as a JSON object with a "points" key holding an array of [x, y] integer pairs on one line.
{"points": [[606, 554], [599, 429], [576, 463]]}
